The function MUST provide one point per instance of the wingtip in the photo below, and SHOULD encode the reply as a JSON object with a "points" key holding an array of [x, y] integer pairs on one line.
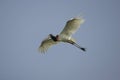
{"points": [[41, 50], [82, 20]]}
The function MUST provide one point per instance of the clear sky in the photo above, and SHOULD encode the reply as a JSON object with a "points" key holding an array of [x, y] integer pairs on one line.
{"points": [[25, 23]]}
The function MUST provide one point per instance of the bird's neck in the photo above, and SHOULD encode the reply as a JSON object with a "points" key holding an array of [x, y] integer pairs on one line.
{"points": [[54, 38], [57, 37]]}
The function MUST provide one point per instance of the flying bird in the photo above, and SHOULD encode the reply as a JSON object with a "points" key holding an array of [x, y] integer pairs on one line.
{"points": [[65, 36]]}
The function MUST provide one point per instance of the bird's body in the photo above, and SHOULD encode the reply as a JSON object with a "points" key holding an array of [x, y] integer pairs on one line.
{"points": [[65, 36]]}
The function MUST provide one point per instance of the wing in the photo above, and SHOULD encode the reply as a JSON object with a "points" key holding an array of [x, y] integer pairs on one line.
{"points": [[71, 27], [45, 44]]}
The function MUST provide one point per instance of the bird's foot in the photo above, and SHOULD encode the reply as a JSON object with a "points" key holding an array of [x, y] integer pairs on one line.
{"points": [[83, 49]]}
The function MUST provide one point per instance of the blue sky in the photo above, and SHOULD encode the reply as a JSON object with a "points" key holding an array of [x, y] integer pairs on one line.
{"points": [[25, 23]]}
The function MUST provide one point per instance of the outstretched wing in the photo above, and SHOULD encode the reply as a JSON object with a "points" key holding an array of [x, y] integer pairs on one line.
{"points": [[45, 44], [71, 27]]}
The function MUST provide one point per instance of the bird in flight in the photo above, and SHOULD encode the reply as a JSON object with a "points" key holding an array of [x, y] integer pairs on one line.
{"points": [[65, 36]]}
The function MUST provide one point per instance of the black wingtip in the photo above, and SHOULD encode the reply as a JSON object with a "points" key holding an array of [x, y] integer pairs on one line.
{"points": [[83, 49]]}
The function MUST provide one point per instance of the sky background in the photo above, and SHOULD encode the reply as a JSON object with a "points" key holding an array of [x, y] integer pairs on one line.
{"points": [[25, 23]]}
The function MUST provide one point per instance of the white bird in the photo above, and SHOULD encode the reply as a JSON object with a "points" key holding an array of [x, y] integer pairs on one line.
{"points": [[65, 36]]}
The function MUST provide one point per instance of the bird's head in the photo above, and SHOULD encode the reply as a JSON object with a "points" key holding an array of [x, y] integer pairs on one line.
{"points": [[50, 35], [54, 38]]}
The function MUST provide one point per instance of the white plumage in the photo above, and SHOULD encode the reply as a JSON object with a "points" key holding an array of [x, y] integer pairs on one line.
{"points": [[65, 36]]}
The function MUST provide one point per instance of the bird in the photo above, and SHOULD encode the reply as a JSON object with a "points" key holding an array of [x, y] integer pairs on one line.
{"points": [[65, 35]]}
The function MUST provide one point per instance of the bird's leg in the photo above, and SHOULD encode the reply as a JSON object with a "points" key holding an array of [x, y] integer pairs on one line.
{"points": [[83, 49], [75, 44]]}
